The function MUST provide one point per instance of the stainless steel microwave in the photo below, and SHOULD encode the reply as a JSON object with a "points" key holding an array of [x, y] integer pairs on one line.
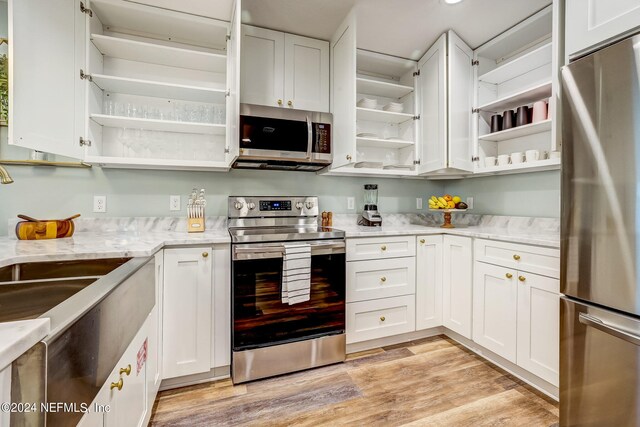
{"points": [[284, 139]]}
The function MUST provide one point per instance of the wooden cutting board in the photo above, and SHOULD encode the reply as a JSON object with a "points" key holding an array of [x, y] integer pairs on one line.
{"points": [[45, 229]]}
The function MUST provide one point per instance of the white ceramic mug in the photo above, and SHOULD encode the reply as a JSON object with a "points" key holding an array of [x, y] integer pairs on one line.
{"points": [[516, 157], [539, 111], [503, 159], [554, 155], [490, 161], [532, 155]]}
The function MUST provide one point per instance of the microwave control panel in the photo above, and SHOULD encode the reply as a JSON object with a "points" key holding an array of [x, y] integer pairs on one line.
{"points": [[322, 138]]}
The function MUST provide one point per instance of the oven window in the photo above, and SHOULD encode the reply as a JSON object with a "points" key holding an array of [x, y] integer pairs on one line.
{"points": [[261, 133], [261, 319]]}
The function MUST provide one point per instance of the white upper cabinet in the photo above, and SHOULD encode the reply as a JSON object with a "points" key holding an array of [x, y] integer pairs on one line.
{"points": [[262, 66], [284, 70], [591, 23], [46, 94], [306, 73], [460, 94], [233, 83], [432, 83]]}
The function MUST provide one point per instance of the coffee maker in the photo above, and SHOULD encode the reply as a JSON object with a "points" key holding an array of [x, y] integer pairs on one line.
{"points": [[370, 215]]}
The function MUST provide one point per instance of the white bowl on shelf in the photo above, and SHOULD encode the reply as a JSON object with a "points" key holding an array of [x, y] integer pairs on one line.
{"points": [[394, 107], [367, 103]]}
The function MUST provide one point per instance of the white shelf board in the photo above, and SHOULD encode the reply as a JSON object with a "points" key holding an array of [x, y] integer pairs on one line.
{"points": [[152, 53], [517, 132], [372, 115], [160, 125], [384, 89], [141, 163], [519, 66], [158, 89], [378, 64], [526, 96], [383, 143], [540, 165], [349, 170]]}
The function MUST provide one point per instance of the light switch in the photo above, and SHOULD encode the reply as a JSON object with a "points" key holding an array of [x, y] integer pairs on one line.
{"points": [[174, 203], [418, 203], [469, 202]]}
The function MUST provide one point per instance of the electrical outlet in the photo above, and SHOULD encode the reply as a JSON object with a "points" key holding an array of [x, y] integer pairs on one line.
{"points": [[469, 202], [351, 203], [100, 204], [174, 203], [418, 203]]}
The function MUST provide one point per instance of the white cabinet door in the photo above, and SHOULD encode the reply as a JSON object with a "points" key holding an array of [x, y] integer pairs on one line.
{"points": [[343, 86], [46, 94], [186, 320], [306, 73], [5, 394], [428, 282], [589, 23], [154, 360], [460, 94], [221, 316], [538, 325], [233, 86], [432, 84], [457, 284], [495, 302], [97, 409], [262, 66]]}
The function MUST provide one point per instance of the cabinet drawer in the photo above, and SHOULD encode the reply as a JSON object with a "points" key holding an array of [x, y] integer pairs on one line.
{"points": [[380, 279], [380, 247], [533, 259], [367, 320]]}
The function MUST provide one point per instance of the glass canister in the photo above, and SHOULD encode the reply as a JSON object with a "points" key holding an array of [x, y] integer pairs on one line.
{"points": [[370, 197]]}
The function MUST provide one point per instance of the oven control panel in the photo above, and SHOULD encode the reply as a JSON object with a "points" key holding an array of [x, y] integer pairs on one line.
{"points": [[275, 205], [272, 206]]}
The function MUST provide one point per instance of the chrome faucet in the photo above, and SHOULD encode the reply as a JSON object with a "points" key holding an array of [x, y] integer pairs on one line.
{"points": [[5, 178]]}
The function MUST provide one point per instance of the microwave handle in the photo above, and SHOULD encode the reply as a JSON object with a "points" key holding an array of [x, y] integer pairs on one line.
{"points": [[309, 138]]}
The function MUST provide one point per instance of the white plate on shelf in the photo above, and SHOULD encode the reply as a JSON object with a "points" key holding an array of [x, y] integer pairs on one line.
{"points": [[399, 167], [394, 107], [395, 138], [367, 103], [367, 135], [371, 165]]}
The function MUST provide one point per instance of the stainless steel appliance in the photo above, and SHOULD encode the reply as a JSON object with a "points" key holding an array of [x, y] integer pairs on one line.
{"points": [[284, 139], [370, 215], [600, 309], [270, 337]]}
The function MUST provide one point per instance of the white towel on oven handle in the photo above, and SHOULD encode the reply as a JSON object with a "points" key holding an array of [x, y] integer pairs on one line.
{"points": [[296, 273]]}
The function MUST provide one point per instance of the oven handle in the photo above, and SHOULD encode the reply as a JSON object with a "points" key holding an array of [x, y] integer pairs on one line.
{"points": [[271, 251], [309, 138]]}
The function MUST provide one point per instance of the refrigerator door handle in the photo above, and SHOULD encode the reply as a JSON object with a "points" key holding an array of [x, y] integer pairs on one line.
{"points": [[594, 322]]}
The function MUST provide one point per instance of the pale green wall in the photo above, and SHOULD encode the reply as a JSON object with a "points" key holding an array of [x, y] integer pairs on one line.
{"points": [[530, 194]]}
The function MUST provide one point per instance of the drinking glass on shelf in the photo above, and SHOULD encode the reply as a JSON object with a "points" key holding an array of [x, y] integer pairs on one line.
{"points": [[119, 108], [218, 114], [208, 113], [108, 107], [143, 111]]}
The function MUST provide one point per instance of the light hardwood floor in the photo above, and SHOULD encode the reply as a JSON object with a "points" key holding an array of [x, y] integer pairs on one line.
{"points": [[429, 382]]}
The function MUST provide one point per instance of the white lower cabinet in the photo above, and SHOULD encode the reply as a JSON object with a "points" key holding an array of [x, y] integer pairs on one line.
{"points": [[380, 279], [367, 320], [457, 284], [538, 326], [5, 393], [429, 281], [186, 317], [495, 295]]}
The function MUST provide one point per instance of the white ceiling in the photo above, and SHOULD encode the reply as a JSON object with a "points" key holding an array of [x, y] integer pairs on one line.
{"points": [[404, 28]]}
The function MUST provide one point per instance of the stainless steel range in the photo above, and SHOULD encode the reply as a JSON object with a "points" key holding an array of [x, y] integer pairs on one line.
{"points": [[288, 287]]}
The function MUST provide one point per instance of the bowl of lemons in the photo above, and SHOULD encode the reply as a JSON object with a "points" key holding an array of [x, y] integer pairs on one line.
{"points": [[447, 204]]}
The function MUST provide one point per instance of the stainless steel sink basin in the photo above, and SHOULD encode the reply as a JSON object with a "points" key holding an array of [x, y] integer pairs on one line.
{"points": [[29, 290]]}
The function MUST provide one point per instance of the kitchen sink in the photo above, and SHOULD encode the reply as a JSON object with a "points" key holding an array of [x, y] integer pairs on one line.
{"points": [[29, 290]]}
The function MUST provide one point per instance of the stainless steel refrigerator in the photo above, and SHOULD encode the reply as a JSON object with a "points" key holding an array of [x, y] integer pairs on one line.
{"points": [[600, 309]]}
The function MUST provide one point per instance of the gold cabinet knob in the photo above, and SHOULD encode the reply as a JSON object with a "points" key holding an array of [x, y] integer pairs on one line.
{"points": [[117, 385], [349, 157], [382, 318], [279, 101], [383, 247], [516, 257], [422, 241], [509, 275], [205, 254], [383, 279], [290, 103], [522, 278], [126, 370]]}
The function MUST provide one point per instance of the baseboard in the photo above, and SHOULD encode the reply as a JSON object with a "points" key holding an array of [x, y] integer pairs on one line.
{"points": [[213, 375], [395, 339], [515, 370]]}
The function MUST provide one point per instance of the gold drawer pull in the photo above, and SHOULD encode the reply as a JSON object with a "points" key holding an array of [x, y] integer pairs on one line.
{"points": [[522, 278], [205, 254], [383, 279], [383, 247], [516, 257], [126, 370], [422, 241], [509, 275], [382, 318], [117, 385], [290, 103], [279, 101]]}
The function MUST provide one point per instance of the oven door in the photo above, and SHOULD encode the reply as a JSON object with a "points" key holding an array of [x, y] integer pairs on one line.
{"points": [[260, 319]]}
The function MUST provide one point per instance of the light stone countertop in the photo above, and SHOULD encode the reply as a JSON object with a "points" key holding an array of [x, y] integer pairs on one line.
{"points": [[18, 337]]}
